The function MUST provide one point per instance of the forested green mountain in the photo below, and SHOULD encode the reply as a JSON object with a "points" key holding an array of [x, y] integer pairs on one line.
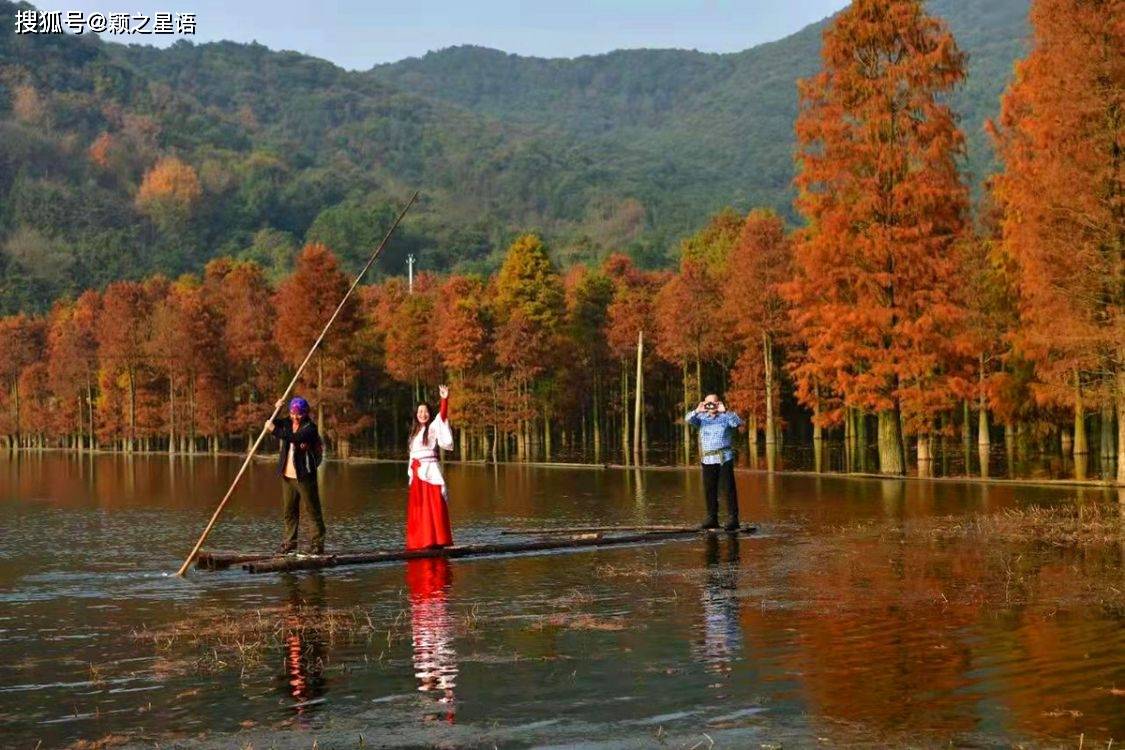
{"points": [[723, 122], [629, 150]]}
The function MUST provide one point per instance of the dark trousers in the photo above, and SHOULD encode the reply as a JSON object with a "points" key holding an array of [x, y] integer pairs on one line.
{"points": [[716, 478], [294, 493]]}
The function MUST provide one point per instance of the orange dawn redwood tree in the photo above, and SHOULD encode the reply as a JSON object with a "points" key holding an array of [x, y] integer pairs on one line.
{"points": [[879, 187], [305, 301], [1061, 139], [241, 294], [72, 359], [758, 266]]}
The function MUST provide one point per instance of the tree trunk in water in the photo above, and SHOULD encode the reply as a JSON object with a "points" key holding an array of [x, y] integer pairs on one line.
{"points": [[686, 427], [597, 426], [817, 432], [546, 434], [698, 376], [1121, 426], [890, 443], [966, 435], [1080, 445], [925, 457], [638, 408], [849, 439], [861, 439], [983, 437], [191, 417], [625, 413], [131, 445], [644, 440], [90, 410], [171, 415], [771, 432], [984, 440], [1010, 448], [1105, 424]]}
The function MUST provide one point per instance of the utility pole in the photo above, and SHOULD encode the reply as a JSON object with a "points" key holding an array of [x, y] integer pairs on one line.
{"points": [[410, 272]]}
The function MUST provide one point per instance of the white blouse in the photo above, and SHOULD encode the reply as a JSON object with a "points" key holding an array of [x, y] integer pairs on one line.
{"points": [[438, 436]]}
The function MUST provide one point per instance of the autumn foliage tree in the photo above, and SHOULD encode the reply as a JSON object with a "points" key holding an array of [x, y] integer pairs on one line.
{"points": [[72, 359], [461, 340], [879, 187], [530, 309], [757, 268], [304, 302], [243, 299], [124, 354], [23, 337], [169, 192], [1061, 137], [412, 355]]}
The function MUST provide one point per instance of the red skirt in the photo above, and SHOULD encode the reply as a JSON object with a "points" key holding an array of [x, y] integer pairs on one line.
{"points": [[427, 518]]}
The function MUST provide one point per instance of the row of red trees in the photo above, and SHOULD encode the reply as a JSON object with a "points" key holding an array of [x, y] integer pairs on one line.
{"points": [[893, 308]]}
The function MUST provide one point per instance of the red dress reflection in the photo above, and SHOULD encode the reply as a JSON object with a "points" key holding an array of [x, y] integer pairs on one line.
{"points": [[435, 662]]}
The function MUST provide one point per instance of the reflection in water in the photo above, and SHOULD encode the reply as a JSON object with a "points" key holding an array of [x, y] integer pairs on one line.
{"points": [[304, 646], [955, 638], [722, 629], [435, 662]]}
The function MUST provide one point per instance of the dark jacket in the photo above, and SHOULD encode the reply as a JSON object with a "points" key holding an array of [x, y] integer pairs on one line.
{"points": [[307, 446]]}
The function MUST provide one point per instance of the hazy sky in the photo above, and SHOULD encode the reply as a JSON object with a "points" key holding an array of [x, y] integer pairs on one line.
{"points": [[357, 34]]}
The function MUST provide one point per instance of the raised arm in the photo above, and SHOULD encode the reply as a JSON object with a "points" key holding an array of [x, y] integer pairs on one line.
{"points": [[441, 424]]}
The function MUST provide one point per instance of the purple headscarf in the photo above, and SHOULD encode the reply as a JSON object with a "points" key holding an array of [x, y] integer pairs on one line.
{"points": [[299, 405]]}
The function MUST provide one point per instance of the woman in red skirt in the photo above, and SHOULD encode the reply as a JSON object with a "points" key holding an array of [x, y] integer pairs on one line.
{"points": [[427, 515]]}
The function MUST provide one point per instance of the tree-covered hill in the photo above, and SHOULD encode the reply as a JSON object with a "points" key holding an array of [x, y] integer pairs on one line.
{"points": [[724, 120], [122, 161]]}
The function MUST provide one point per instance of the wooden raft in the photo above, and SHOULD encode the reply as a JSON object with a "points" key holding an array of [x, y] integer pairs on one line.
{"points": [[580, 537]]}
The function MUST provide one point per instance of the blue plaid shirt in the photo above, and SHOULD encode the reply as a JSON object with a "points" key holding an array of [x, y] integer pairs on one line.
{"points": [[715, 431]]}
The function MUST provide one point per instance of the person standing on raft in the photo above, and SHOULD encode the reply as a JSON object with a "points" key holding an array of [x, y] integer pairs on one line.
{"points": [[427, 514], [297, 463], [716, 454]]}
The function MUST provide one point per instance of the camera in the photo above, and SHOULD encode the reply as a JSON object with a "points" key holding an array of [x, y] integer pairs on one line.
{"points": [[709, 405]]}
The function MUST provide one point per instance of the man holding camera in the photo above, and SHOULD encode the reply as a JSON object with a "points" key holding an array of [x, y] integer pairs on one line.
{"points": [[716, 454]]}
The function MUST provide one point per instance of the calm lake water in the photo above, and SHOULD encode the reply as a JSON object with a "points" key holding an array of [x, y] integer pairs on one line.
{"points": [[832, 626]]}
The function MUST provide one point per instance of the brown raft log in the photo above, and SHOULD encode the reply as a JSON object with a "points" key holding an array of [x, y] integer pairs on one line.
{"points": [[318, 562], [599, 529], [221, 560]]}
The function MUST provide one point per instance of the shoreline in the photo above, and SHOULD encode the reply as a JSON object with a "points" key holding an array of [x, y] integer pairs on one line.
{"points": [[1104, 484]]}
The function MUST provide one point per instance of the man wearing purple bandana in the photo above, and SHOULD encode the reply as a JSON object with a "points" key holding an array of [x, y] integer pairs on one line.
{"points": [[297, 463]]}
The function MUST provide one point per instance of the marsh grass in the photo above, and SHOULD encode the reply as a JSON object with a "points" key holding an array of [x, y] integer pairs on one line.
{"points": [[1066, 556], [217, 640]]}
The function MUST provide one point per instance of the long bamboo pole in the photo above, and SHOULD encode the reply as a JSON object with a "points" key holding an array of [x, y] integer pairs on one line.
{"points": [[261, 435]]}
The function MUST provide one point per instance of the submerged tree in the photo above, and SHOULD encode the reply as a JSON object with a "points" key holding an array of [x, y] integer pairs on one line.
{"points": [[879, 187]]}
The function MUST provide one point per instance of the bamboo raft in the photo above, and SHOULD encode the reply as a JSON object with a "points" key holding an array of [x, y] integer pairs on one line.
{"points": [[579, 537]]}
